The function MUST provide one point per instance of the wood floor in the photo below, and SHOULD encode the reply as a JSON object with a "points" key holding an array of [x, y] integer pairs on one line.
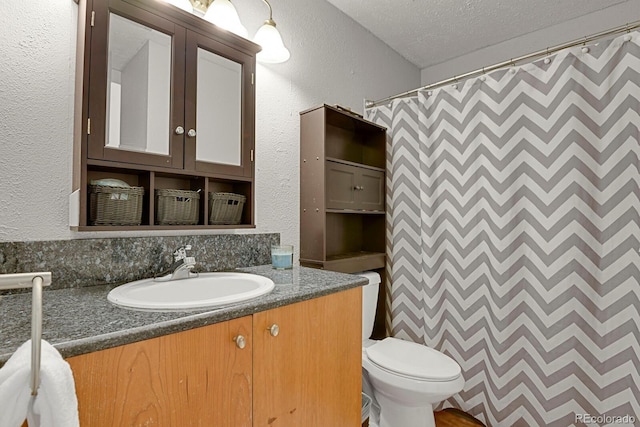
{"points": [[455, 418]]}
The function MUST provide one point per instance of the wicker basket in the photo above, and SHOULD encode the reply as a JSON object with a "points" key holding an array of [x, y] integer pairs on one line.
{"points": [[115, 205], [225, 208], [177, 207]]}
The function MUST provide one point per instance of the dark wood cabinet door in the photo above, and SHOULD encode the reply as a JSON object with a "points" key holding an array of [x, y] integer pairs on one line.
{"points": [[341, 185], [223, 131], [132, 111], [370, 194]]}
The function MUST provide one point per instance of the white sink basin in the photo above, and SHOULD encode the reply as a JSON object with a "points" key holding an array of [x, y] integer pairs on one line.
{"points": [[204, 291]]}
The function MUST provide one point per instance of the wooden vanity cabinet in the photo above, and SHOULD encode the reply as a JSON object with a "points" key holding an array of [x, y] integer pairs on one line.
{"points": [[306, 374], [194, 378], [310, 373]]}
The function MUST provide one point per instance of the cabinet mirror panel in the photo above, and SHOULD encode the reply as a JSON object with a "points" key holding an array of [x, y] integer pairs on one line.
{"points": [[138, 87], [218, 109]]}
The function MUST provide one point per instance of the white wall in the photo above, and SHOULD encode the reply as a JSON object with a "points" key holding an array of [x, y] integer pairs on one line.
{"points": [[37, 52], [586, 25], [333, 60]]}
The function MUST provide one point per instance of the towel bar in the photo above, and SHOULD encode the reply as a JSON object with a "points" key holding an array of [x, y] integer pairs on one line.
{"points": [[35, 281]]}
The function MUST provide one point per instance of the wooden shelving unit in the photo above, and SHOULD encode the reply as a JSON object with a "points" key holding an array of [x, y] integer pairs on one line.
{"points": [[155, 178], [342, 196], [342, 191]]}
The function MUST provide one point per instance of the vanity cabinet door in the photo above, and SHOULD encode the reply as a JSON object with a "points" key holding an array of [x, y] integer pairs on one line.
{"points": [[136, 89], [199, 377], [219, 108], [309, 373]]}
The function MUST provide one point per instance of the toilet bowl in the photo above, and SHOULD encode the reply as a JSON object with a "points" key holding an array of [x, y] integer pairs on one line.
{"points": [[407, 378]]}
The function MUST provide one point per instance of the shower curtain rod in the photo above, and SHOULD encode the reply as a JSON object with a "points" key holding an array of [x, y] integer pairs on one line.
{"points": [[512, 62]]}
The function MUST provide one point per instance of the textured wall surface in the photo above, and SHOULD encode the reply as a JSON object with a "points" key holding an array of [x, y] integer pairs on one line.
{"points": [[428, 33], [36, 117], [547, 36], [333, 60]]}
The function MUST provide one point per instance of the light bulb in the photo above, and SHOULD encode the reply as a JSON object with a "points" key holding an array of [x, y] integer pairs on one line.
{"points": [[223, 14], [273, 49], [182, 4]]}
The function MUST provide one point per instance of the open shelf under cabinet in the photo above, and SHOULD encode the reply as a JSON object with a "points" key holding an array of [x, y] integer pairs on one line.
{"points": [[158, 180]]}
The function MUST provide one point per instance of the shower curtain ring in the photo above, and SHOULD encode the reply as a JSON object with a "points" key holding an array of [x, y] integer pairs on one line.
{"points": [[483, 77]]}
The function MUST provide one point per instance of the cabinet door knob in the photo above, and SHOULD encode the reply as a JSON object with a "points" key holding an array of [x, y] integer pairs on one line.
{"points": [[179, 130], [191, 133], [240, 341], [274, 330]]}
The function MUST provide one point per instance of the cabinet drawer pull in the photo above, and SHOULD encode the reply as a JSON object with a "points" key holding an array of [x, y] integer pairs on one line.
{"points": [[179, 130], [274, 330], [357, 187], [191, 133], [240, 341]]}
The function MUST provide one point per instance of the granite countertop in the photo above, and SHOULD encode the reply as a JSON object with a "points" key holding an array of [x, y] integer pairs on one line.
{"points": [[81, 320]]}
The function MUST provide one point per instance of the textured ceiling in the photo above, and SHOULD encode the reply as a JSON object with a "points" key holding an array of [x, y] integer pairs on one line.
{"points": [[428, 32]]}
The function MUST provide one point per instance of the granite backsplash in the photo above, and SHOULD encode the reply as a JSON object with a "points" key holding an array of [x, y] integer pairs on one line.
{"points": [[88, 262]]}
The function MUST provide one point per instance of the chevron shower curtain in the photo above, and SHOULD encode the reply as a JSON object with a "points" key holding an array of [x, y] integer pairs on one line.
{"points": [[514, 235]]}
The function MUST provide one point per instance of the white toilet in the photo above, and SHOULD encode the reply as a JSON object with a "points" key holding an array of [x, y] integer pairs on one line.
{"points": [[407, 378]]}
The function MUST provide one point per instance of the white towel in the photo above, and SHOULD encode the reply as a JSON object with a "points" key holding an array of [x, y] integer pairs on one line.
{"points": [[56, 404], [14, 387]]}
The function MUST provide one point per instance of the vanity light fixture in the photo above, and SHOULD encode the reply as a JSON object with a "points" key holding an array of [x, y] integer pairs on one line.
{"points": [[182, 4], [223, 14], [269, 38]]}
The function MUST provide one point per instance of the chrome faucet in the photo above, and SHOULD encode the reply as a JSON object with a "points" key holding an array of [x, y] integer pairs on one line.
{"points": [[182, 264]]}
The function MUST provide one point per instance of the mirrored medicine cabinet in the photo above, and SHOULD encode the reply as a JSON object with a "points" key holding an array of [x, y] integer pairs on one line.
{"points": [[167, 102]]}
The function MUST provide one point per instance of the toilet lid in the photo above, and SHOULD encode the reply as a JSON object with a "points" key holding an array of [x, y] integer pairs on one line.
{"points": [[413, 360]]}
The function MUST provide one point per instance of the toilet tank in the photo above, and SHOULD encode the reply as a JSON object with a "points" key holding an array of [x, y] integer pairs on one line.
{"points": [[369, 302]]}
